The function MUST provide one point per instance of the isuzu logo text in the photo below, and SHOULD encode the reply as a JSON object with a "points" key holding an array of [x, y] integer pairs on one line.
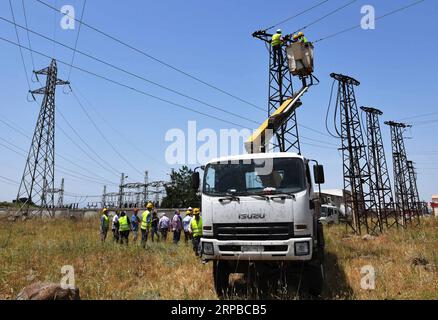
{"points": [[254, 216]]}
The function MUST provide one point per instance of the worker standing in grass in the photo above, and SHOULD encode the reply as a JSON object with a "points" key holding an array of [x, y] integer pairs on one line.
{"points": [[124, 228], [177, 227], [135, 221], [195, 229], [154, 226], [146, 223], [115, 227], [164, 226], [104, 225], [186, 224]]}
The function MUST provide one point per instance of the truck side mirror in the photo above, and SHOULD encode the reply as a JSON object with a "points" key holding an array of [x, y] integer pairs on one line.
{"points": [[195, 181], [318, 174]]}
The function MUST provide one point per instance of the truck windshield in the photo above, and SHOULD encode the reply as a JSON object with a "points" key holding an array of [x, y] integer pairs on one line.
{"points": [[245, 178]]}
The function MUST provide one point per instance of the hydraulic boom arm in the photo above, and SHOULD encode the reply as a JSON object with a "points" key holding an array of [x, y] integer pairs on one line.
{"points": [[261, 137]]}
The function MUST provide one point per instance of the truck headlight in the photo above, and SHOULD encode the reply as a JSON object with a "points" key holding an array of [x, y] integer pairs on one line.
{"points": [[207, 248], [302, 248]]}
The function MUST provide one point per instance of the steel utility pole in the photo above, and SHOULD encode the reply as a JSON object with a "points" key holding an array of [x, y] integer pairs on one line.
{"points": [[402, 183], [414, 196], [358, 193], [145, 188], [39, 171], [380, 181], [121, 190], [104, 201], [61, 195], [280, 89]]}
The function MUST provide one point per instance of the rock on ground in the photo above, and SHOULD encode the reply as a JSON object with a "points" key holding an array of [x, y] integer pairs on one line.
{"points": [[48, 291]]}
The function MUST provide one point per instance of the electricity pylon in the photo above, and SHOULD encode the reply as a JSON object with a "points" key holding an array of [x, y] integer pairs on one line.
{"points": [[280, 89], [380, 181], [39, 171], [358, 192], [402, 179]]}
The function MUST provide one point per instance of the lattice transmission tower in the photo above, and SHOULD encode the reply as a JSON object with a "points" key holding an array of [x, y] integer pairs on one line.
{"points": [[402, 180], [39, 171], [358, 193], [414, 195], [380, 180], [280, 89]]}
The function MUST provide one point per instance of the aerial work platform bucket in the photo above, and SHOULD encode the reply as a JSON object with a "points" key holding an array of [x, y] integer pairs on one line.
{"points": [[300, 58]]}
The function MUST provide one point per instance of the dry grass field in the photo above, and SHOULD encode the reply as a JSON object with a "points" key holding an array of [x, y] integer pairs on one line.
{"points": [[406, 263]]}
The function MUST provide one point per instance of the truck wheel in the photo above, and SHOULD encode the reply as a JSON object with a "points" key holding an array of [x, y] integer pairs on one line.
{"points": [[314, 278], [221, 277]]}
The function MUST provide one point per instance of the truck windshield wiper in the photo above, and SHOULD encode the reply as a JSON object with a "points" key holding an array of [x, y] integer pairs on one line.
{"points": [[283, 196], [261, 196], [229, 198]]}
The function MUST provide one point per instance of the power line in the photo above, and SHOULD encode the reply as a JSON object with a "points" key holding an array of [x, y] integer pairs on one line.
{"points": [[297, 15], [23, 133], [59, 168], [129, 72], [149, 81], [21, 51], [77, 39], [378, 18], [118, 132], [132, 89], [325, 16], [9, 181], [151, 57], [28, 36], [420, 116], [103, 136], [127, 86], [114, 171]]}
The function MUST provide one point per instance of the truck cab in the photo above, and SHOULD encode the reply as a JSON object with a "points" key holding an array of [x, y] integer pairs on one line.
{"points": [[260, 210]]}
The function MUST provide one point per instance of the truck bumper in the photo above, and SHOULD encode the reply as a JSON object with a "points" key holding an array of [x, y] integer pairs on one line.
{"points": [[281, 250]]}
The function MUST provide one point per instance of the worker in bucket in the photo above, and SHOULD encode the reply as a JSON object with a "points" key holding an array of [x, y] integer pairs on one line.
{"points": [[276, 43], [302, 38], [195, 230]]}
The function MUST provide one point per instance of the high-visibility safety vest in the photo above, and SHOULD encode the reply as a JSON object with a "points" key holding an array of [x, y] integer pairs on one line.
{"points": [[145, 225], [196, 226], [304, 40], [106, 221], [276, 40], [123, 224]]}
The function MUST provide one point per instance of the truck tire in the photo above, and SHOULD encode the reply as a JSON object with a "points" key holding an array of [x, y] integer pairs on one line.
{"points": [[314, 274], [221, 277], [314, 271]]}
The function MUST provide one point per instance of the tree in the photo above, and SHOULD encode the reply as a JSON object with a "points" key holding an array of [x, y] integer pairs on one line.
{"points": [[179, 193]]}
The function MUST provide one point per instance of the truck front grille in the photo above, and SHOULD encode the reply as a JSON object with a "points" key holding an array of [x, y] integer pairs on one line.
{"points": [[254, 231]]}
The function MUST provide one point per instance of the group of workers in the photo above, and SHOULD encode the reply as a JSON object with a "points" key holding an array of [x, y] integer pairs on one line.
{"points": [[278, 40], [150, 223]]}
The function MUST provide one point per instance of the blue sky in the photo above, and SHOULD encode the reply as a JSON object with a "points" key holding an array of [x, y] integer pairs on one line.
{"points": [[212, 40]]}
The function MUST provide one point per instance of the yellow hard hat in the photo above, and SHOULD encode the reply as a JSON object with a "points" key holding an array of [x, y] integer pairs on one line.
{"points": [[300, 34], [295, 37], [188, 212], [197, 211], [104, 210], [150, 206]]}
